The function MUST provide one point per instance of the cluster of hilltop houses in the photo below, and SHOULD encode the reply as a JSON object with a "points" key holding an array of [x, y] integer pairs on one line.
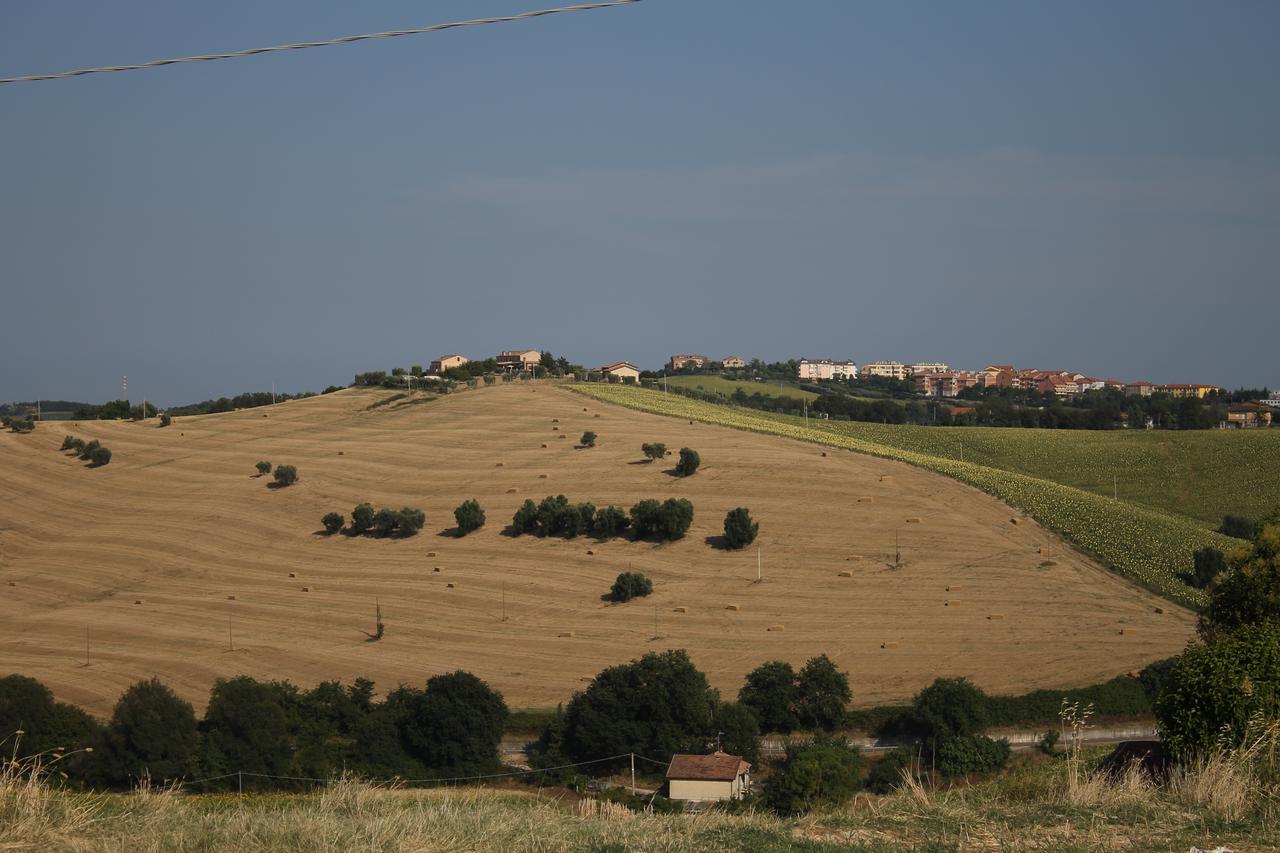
{"points": [[939, 380], [527, 361], [933, 379]]}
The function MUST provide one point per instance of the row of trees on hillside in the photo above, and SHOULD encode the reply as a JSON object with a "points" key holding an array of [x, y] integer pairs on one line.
{"points": [[450, 728], [93, 452]]}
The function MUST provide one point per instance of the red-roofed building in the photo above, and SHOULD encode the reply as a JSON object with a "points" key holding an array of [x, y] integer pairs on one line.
{"points": [[703, 778]]}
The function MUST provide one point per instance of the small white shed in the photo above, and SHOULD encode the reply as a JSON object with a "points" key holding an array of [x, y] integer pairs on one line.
{"points": [[700, 778]]}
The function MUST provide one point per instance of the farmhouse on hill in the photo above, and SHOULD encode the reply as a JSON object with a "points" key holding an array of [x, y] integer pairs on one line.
{"points": [[734, 361], [522, 359], [621, 369], [678, 362], [704, 778], [448, 362]]}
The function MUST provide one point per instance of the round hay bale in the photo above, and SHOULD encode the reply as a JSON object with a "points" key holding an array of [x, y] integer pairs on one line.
{"points": [[915, 519], [542, 476], [449, 585], [512, 491], [732, 607], [340, 453], [590, 553], [498, 465], [436, 569], [11, 583], [846, 574], [306, 589], [1013, 521], [431, 553], [139, 601], [544, 445], [680, 609], [231, 598]]}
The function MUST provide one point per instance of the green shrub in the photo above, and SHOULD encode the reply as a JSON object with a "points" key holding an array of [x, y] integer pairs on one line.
{"points": [[385, 521], [165, 420], [526, 518], [655, 706], [86, 450], [469, 516], [1209, 563], [100, 456], [821, 774], [822, 694], [489, 379], [264, 468], [611, 521], [965, 754], [950, 708], [1249, 593], [689, 462], [68, 442], [332, 522], [669, 519], [739, 530], [286, 475], [770, 692], [152, 733], [886, 774], [362, 519], [1213, 691], [588, 439], [657, 450], [1238, 526], [410, 520], [630, 585]]}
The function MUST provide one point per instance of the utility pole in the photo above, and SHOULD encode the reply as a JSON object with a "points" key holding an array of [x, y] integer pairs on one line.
{"points": [[633, 774], [39, 416], [273, 393]]}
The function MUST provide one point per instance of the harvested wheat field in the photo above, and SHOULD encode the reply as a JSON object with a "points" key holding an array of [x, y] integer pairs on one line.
{"points": [[181, 563]]}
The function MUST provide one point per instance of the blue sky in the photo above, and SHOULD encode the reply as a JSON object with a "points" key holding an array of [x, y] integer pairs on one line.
{"points": [[1087, 186]]}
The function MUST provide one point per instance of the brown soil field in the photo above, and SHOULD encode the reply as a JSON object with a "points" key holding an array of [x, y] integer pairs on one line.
{"points": [[179, 523]]}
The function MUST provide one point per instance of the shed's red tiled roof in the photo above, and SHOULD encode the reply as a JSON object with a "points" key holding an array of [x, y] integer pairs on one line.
{"points": [[717, 766]]}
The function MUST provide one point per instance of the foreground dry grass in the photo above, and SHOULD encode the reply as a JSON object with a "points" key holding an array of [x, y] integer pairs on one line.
{"points": [[174, 543], [1031, 808]]}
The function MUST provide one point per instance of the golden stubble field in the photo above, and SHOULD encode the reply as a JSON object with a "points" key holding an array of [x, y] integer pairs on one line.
{"points": [[179, 523]]}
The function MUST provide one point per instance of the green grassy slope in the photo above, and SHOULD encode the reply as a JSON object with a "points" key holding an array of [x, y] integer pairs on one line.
{"points": [[712, 384], [1141, 541], [1201, 474]]}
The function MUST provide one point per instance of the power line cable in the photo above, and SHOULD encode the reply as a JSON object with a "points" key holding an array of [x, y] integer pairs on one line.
{"points": [[209, 57]]}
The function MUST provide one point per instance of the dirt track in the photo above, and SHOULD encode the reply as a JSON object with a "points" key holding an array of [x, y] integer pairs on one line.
{"points": [[178, 522]]}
